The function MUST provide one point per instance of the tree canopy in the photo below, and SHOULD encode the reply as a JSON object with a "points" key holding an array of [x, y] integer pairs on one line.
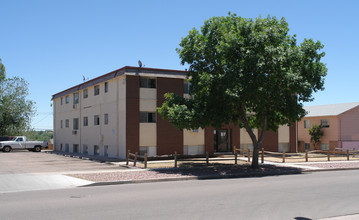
{"points": [[15, 109], [249, 72]]}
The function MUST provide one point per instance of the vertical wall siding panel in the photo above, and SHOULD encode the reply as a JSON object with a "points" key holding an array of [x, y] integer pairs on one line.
{"points": [[132, 113], [169, 138]]}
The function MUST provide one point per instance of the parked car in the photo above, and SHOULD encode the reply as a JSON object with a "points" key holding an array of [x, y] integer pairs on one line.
{"points": [[20, 142]]}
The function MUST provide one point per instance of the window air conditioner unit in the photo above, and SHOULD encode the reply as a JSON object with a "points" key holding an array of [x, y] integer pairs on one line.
{"points": [[74, 106], [74, 132]]}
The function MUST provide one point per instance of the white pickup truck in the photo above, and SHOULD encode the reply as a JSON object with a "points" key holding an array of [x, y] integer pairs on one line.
{"points": [[20, 142]]}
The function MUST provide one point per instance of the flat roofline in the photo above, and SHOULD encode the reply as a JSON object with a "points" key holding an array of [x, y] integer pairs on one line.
{"points": [[117, 73]]}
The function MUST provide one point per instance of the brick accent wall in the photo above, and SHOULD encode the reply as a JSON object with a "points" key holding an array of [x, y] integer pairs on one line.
{"points": [[132, 114], [169, 138], [270, 141]]}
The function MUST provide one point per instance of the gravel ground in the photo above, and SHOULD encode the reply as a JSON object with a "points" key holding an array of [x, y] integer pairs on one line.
{"points": [[216, 172]]}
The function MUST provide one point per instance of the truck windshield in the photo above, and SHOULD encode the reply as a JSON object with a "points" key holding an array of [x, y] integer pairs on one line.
{"points": [[14, 138]]}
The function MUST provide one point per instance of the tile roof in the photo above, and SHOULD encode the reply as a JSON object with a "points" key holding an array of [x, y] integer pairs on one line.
{"points": [[329, 110]]}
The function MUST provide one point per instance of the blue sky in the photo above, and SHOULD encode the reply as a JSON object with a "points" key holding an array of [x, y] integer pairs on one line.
{"points": [[53, 43]]}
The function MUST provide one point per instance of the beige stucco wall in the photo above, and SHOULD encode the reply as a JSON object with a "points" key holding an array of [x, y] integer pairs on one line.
{"points": [[148, 99], [283, 134], [112, 134], [244, 136], [193, 138], [148, 134], [330, 134]]}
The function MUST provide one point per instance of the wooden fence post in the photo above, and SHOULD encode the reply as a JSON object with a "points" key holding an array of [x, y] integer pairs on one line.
{"points": [[262, 155], [306, 155], [207, 162], [347, 154], [146, 155], [235, 158], [134, 163], [328, 155], [249, 155], [175, 159], [128, 157], [283, 161]]}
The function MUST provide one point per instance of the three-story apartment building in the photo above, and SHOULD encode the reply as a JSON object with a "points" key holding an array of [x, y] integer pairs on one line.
{"points": [[116, 112]]}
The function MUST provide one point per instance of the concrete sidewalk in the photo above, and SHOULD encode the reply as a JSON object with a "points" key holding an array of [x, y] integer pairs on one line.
{"points": [[30, 182]]}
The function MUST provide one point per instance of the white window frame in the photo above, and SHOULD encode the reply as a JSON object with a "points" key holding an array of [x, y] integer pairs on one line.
{"points": [[146, 116], [85, 93], [96, 90], [324, 123], [85, 121], [96, 120]]}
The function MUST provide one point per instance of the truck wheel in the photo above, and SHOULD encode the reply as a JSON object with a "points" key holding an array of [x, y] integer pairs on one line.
{"points": [[6, 149], [37, 148]]}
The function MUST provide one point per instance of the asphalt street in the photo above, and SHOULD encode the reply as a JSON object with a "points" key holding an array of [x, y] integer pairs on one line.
{"points": [[302, 196]]}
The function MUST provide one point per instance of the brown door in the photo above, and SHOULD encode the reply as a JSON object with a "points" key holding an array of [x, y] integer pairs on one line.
{"points": [[222, 141]]}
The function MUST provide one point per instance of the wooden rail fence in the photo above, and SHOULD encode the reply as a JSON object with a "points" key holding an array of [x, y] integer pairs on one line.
{"points": [[134, 157]]}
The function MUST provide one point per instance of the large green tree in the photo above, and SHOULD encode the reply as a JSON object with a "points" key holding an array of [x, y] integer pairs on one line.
{"points": [[249, 72], [16, 110]]}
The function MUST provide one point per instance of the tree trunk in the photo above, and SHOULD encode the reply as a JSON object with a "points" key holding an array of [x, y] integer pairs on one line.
{"points": [[255, 164]]}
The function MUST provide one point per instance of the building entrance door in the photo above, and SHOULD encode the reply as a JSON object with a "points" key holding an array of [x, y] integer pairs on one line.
{"points": [[222, 141]]}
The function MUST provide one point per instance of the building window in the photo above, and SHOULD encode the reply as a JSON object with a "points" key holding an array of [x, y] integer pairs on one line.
{"points": [[97, 90], [96, 150], [306, 146], [86, 121], [106, 87], [61, 123], [143, 150], [148, 117], [306, 124], [67, 99], [105, 151], [186, 87], [86, 94], [96, 120], [67, 147], [61, 147], [61, 100], [67, 123], [324, 123], [324, 146], [76, 123], [147, 82], [106, 119], [85, 149], [75, 148], [76, 98]]}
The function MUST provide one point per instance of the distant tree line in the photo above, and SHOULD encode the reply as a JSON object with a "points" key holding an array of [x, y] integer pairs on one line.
{"points": [[16, 110], [39, 135]]}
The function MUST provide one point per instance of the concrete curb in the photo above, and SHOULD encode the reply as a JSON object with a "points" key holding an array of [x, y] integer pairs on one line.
{"points": [[335, 169], [209, 177]]}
